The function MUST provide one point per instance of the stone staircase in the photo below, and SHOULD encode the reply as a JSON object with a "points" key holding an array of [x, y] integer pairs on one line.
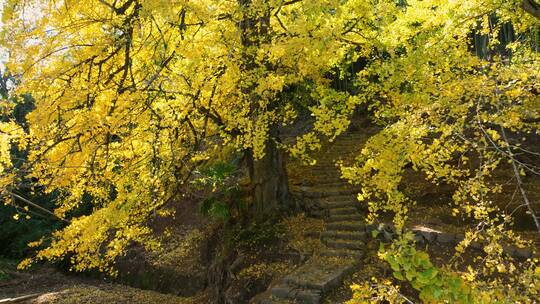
{"points": [[332, 198], [326, 195]]}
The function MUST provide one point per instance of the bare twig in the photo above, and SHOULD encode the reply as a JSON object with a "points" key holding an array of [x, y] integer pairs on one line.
{"points": [[21, 299], [37, 206], [515, 167]]}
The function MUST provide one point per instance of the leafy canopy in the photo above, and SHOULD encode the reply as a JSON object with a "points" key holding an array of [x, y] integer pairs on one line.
{"points": [[131, 96]]}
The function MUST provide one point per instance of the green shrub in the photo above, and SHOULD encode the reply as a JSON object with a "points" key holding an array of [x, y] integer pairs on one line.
{"points": [[224, 196]]}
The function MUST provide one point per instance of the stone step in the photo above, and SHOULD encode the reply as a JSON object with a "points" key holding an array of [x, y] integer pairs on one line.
{"points": [[323, 187], [334, 235], [273, 300], [342, 244], [329, 192], [327, 175], [342, 211], [343, 253], [308, 181], [346, 226], [337, 198], [311, 178], [344, 218], [308, 296], [335, 183], [340, 204], [319, 275]]}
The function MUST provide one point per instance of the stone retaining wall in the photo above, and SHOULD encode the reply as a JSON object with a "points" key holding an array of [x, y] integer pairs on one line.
{"points": [[429, 236]]}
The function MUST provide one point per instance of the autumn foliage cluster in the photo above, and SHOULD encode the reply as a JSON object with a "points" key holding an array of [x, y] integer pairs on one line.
{"points": [[132, 96]]}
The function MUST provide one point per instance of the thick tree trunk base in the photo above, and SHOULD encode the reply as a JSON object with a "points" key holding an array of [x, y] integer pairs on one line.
{"points": [[269, 184]]}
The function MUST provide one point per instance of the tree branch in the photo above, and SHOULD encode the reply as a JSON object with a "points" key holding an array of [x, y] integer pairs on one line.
{"points": [[37, 206], [515, 167]]}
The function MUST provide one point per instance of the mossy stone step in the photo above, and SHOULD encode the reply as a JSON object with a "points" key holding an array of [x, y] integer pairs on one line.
{"points": [[333, 184], [345, 244], [314, 182], [322, 175], [319, 275], [346, 226], [329, 192], [335, 187], [335, 235], [337, 198], [343, 253], [339, 204], [273, 300], [307, 296], [342, 211], [344, 218]]}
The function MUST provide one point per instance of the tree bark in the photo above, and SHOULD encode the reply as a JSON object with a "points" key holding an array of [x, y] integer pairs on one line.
{"points": [[269, 183], [531, 7]]}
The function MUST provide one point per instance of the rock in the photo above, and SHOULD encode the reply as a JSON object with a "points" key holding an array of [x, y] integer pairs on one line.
{"points": [[281, 291], [418, 239], [509, 250], [522, 253], [428, 236], [444, 238], [370, 228]]}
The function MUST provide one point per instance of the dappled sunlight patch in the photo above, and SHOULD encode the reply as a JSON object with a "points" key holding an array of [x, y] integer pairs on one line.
{"points": [[105, 294]]}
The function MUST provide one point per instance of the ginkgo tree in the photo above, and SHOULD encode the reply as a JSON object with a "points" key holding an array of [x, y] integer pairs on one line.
{"points": [[133, 95], [456, 86]]}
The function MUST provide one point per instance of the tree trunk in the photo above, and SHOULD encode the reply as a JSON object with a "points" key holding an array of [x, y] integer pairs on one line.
{"points": [[268, 177], [269, 184]]}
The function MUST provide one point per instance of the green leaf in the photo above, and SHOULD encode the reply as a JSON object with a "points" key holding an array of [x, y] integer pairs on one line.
{"points": [[393, 263], [429, 273], [410, 275], [437, 292]]}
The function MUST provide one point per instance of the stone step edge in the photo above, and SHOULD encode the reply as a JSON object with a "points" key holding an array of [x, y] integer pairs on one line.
{"points": [[338, 275], [344, 235], [285, 291], [342, 244]]}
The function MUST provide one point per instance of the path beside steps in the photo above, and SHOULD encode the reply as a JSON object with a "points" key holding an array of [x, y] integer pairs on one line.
{"points": [[344, 237]]}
